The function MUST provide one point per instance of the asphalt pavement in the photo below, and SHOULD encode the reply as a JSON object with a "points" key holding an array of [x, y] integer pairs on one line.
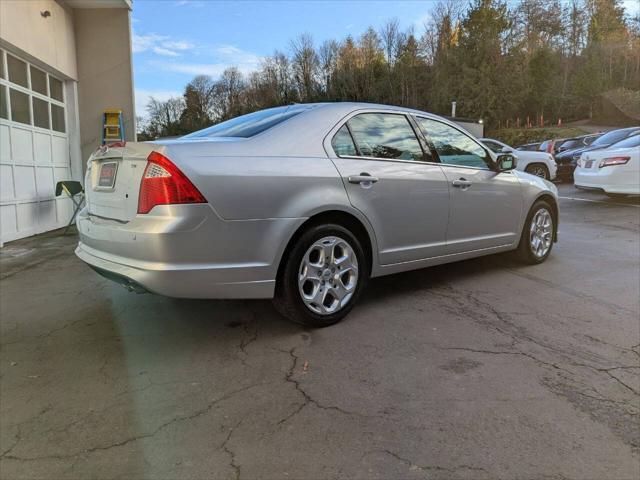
{"points": [[480, 369]]}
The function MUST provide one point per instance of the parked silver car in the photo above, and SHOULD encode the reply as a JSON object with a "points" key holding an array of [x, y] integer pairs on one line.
{"points": [[304, 204]]}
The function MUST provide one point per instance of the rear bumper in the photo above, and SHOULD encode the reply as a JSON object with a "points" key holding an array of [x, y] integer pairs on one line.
{"points": [[614, 179], [187, 251]]}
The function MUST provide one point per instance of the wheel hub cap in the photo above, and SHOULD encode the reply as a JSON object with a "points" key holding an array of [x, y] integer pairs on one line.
{"points": [[328, 275]]}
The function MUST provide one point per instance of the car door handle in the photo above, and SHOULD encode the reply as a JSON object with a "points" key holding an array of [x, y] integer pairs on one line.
{"points": [[362, 178], [461, 183]]}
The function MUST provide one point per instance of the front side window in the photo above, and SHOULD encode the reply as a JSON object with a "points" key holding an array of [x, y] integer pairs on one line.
{"points": [[342, 143], [453, 146], [385, 135]]}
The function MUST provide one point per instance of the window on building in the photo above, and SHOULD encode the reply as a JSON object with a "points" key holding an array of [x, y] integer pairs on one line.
{"points": [[38, 80], [17, 71], [57, 118], [55, 89], [20, 107], [40, 113], [3, 102]]}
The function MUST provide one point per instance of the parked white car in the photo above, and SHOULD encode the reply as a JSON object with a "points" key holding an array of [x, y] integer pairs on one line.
{"points": [[541, 164], [615, 171]]}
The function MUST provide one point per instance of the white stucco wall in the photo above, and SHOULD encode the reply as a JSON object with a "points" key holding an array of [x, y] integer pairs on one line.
{"points": [[47, 41]]}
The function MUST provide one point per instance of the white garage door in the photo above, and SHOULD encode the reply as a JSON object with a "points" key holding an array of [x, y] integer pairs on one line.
{"points": [[34, 149]]}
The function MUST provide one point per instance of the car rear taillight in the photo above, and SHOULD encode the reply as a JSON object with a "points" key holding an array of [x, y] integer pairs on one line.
{"points": [[608, 162], [164, 184]]}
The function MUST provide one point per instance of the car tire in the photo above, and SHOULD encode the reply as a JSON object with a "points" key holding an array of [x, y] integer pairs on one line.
{"points": [[527, 252], [294, 290], [539, 170]]}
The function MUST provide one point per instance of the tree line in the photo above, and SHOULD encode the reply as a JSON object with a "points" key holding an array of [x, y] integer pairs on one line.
{"points": [[534, 58]]}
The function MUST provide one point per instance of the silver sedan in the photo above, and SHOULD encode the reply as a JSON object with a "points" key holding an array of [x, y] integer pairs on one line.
{"points": [[304, 204]]}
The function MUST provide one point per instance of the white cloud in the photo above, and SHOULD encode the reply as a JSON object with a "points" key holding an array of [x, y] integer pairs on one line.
{"points": [[159, 44], [225, 56], [143, 96], [190, 3], [165, 51], [212, 69], [232, 55]]}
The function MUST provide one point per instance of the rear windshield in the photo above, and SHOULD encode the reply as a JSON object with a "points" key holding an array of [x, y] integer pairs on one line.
{"points": [[251, 124], [571, 144], [633, 141], [611, 137]]}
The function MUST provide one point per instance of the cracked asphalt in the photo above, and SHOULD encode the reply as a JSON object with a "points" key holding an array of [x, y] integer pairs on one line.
{"points": [[481, 369]]}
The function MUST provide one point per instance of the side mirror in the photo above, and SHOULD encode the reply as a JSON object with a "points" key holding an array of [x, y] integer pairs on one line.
{"points": [[506, 162]]}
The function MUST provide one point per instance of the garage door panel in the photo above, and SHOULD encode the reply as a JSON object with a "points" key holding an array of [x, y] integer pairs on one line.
{"points": [[25, 183], [60, 174], [6, 182], [8, 225], [21, 145], [47, 215], [27, 216], [34, 151], [42, 147], [44, 182], [60, 150], [5, 144]]}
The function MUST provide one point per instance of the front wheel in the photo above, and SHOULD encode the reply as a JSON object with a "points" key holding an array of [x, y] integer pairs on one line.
{"points": [[538, 233], [322, 277]]}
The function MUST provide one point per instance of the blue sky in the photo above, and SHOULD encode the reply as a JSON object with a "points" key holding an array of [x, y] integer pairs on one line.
{"points": [[174, 40]]}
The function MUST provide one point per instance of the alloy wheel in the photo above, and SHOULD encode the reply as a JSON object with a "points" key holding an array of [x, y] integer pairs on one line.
{"points": [[541, 233], [328, 275], [538, 171]]}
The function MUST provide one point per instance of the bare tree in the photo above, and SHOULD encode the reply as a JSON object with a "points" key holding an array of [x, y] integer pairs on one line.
{"points": [[305, 66]]}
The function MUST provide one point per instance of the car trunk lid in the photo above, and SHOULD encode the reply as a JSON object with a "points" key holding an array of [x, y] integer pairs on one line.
{"points": [[112, 182]]}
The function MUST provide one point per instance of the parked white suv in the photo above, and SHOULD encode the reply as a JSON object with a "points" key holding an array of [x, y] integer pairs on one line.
{"points": [[541, 164]]}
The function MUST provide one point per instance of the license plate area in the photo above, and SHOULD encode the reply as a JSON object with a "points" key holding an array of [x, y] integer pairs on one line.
{"points": [[588, 164], [107, 176]]}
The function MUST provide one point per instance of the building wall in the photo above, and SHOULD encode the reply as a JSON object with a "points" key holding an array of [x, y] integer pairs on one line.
{"points": [[105, 72], [43, 40]]}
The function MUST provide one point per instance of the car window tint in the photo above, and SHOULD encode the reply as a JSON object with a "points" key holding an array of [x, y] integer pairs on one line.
{"points": [[251, 124], [453, 146], [493, 146], [633, 141], [611, 137], [342, 143], [385, 135]]}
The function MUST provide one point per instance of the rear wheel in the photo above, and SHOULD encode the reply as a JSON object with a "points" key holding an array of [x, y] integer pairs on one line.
{"points": [[538, 233], [539, 170], [322, 277]]}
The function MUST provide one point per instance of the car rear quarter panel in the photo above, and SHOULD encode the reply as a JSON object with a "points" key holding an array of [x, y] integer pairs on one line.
{"points": [[245, 188]]}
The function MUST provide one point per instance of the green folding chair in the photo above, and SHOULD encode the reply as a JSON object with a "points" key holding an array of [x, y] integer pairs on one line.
{"points": [[73, 190]]}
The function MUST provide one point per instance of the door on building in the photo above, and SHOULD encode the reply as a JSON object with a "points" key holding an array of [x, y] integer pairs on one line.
{"points": [[34, 149]]}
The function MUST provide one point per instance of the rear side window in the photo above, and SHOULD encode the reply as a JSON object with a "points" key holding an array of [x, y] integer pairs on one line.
{"points": [[453, 146], [251, 124], [385, 135], [342, 143]]}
